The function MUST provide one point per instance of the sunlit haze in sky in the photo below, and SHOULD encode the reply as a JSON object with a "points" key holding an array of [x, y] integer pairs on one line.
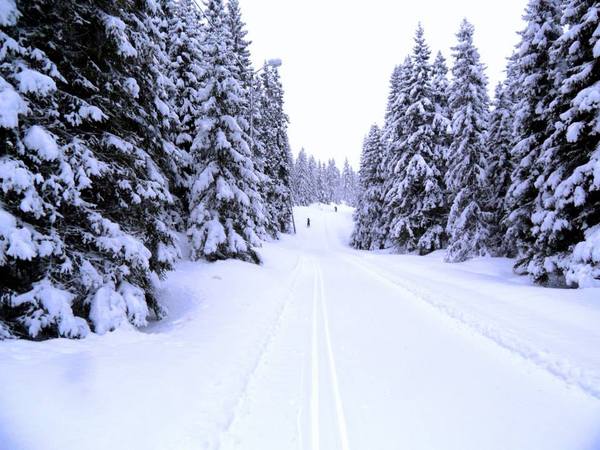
{"points": [[338, 56]]}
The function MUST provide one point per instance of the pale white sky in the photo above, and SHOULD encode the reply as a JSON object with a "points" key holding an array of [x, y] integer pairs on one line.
{"points": [[338, 56]]}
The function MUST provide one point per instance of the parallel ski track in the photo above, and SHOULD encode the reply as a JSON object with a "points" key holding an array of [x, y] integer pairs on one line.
{"points": [[319, 304], [339, 408]]}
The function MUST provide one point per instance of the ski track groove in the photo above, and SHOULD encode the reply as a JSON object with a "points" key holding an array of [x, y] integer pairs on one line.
{"points": [[339, 408], [588, 383], [314, 395], [235, 411], [299, 433]]}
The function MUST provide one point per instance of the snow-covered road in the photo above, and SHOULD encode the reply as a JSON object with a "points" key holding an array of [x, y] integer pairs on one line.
{"points": [[323, 348]]}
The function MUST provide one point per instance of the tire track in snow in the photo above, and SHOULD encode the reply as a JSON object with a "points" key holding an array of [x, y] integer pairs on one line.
{"points": [[588, 382], [263, 352], [339, 408]]}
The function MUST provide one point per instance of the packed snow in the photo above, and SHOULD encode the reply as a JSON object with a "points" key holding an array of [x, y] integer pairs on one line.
{"points": [[323, 347]]}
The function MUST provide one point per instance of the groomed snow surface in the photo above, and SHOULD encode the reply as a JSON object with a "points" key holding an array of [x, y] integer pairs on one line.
{"points": [[323, 347]]}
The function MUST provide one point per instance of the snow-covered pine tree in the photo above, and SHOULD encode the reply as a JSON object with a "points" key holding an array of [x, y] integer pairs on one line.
{"points": [[348, 184], [82, 236], [250, 87], [535, 91], [366, 234], [393, 134], [313, 177], [35, 173], [174, 159], [500, 141], [387, 138], [301, 180], [252, 91], [185, 70], [257, 129], [322, 191], [239, 44], [469, 221], [417, 194], [566, 217], [331, 182], [278, 157], [441, 121], [226, 210], [395, 86]]}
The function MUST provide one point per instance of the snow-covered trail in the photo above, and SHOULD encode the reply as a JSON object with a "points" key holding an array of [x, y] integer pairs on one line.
{"points": [[377, 368], [322, 348]]}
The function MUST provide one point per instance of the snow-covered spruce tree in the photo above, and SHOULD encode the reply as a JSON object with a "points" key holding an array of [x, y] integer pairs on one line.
{"points": [[313, 177], [417, 193], [393, 134], [226, 210], [348, 184], [331, 182], [259, 112], [240, 45], [386, 139], [278, 157], [366, 234], [35, 173], [322, 190], [441, 121], [535, 90], [250, 87], [566, 217], [82, 236], [395, 86], [469, 220], [252, 91], [499, 142], [185, 70], [301, 180]]}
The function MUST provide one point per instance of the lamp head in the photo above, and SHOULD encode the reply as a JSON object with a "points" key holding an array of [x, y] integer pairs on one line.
{"points": [[275, 62]]}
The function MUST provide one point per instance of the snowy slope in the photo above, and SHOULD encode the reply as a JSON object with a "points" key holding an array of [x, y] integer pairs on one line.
{"points": [[323, 347]]}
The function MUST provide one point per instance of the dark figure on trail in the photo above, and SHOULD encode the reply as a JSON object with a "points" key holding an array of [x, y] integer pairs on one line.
{"points": [[308, 222], [335, 208]]}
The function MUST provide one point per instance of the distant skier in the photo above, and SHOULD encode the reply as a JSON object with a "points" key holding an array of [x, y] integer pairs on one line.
{"points": [[308, 222], [335, 208]]}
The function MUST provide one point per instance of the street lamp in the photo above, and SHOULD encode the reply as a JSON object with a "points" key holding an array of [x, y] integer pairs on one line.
{"points": [[275, 62]]}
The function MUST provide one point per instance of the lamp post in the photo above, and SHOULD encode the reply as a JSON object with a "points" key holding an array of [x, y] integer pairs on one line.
{"points": [[275, 62]]}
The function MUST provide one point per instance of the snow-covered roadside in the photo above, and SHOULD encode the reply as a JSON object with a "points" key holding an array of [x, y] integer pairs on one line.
{"points": [[556, 329], [173, 387]]}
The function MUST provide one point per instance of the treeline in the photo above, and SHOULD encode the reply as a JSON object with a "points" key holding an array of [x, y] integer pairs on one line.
{"points": [[123, 125], [316, 182], [519, 177]]}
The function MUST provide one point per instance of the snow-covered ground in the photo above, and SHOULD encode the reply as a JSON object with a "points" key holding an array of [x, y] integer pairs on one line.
{"points": [[323, 347]]}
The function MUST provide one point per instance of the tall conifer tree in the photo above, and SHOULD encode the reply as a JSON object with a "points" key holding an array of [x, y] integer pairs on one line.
{"points": [[469, 220], [366, 234], [535, 90], [85, 200], [567, 214], [417, 194], [226, 211]]}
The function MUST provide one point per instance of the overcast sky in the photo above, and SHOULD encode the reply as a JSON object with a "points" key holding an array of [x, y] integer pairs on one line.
{"points": [[338, 56]]}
